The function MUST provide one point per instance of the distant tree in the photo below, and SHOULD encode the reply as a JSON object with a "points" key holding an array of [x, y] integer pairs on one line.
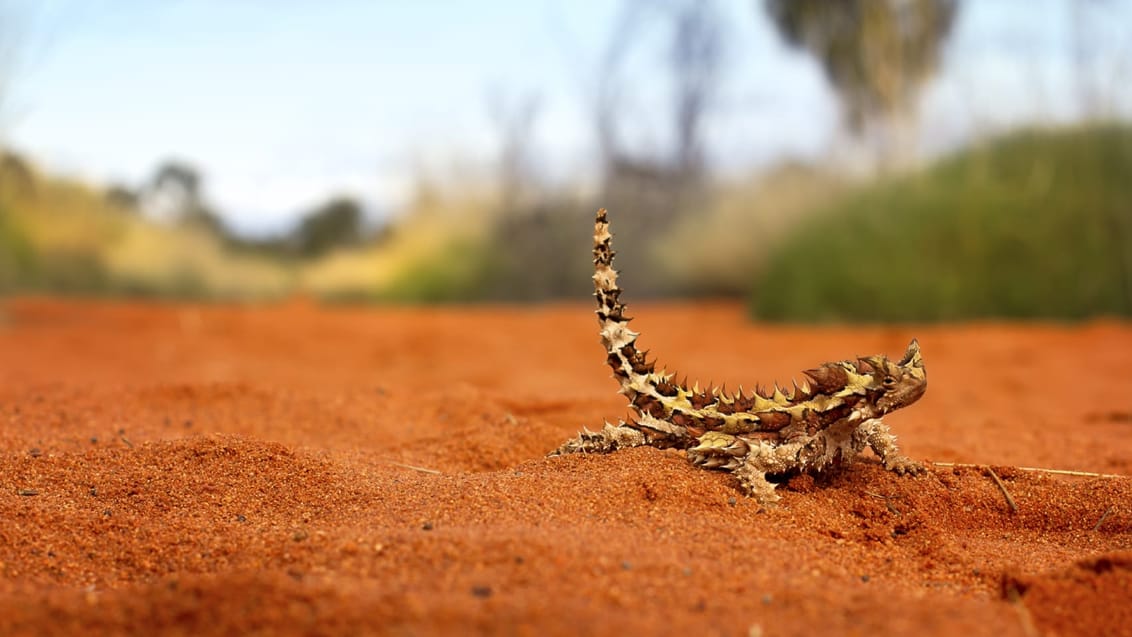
{"points": [[695, 44], [653, 156], [695, 55], [181, 181], [515, 121], [650, 189], [336, 223], [608, 90], [176, 192], [877, 55]]}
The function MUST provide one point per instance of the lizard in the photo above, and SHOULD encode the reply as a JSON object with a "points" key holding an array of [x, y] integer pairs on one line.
{"points": [[820, 423]]}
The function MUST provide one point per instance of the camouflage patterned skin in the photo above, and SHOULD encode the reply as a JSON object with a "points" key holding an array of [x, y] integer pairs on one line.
{"points": [[827, 419]]}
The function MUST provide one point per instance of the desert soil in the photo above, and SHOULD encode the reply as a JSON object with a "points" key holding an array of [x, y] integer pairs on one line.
{"points": [[297, 469]]}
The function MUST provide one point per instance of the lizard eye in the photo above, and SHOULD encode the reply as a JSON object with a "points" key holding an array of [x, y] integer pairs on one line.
{"points": [[889, 381]]}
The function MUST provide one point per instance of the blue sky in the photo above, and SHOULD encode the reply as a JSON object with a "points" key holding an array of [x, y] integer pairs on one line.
{"points": [[283, 103]]}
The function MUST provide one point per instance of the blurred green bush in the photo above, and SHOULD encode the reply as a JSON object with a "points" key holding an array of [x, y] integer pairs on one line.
{"points": [[17, 258], [1034, 225], [60, 236]]}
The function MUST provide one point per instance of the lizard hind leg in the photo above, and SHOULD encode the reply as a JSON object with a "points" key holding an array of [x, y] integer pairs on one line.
{"points": [[609, 439], [748, 460], [718, 450], [764, 459]]}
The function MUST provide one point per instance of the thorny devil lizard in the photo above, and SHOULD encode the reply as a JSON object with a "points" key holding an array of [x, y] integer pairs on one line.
{"points": [[826, 420]]}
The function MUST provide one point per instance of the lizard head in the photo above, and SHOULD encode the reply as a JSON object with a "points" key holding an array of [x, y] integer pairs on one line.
{"points": [[898, 384]]}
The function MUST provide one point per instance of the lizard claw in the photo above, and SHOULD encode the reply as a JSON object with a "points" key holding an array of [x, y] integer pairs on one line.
{"points": [[904, 466]]}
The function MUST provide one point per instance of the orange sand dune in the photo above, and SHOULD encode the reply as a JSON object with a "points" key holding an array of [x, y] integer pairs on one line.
{"points": [[305, 470]]}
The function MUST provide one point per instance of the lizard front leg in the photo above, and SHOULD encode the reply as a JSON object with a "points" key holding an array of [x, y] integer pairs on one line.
{"points": [[876, 435]]}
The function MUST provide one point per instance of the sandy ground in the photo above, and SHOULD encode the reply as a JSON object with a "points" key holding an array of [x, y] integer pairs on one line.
{"points": [[304, 470]]}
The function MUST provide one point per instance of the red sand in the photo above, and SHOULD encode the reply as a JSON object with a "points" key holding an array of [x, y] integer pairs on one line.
{"points": [[220, 470]]}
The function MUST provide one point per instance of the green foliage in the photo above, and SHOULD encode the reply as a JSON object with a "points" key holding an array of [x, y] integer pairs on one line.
{"points": [[541, 253], [525, 255], [60, 236], [335, 224], [1038, 224], [17, 257], [62, 269], [461, 275]]}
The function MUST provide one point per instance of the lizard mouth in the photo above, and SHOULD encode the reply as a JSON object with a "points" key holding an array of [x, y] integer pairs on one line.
{"points": [[911, 394]]}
